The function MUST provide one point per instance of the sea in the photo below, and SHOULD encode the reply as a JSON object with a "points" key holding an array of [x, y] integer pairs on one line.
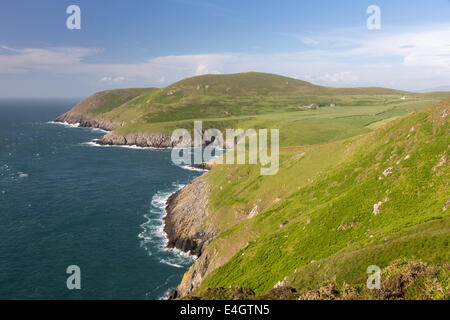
{"points": [[65, 201]]}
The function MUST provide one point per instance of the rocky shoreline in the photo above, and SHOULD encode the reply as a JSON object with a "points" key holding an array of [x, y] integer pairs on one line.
{"points": [[185, 224], [83, 121], [139, 140], [188, 229]]}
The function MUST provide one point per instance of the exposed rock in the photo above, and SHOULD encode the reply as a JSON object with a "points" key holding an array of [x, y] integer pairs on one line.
{"points": [[84, 121], [173, 294], [208, 165], [145, 140], [195, 275], [253, 212], [376, 207], [441, 163], [447, 204], [141, 140], [280, 284], [386, 172], [186, 222]]}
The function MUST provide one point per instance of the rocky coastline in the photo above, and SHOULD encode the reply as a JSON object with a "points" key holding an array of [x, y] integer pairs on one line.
{"points": [[83, 121], [139, 140], [186, 222]]}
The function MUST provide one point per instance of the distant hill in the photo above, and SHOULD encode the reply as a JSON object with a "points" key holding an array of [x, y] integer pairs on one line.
{"points": [[222, 100], [251, 83]]}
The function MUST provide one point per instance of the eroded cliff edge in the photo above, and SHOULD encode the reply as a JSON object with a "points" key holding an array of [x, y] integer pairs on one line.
{"points": [[186, 222], [188, 228], [88, 122], [157, 140]]}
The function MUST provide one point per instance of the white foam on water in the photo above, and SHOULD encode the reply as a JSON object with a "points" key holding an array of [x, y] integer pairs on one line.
{"points": [[22, 174], [170, 264], [77, 125], [99, 130], [71, 125], [153, 236], [166, 295], [188, 167], [93, 143]]}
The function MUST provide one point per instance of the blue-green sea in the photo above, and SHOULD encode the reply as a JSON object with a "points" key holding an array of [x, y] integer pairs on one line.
{"points": [[65, 201]]}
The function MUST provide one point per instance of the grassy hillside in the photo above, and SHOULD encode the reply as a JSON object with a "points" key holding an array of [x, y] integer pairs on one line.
{"points": [[105, 101], [253, 100], [335, 208]]}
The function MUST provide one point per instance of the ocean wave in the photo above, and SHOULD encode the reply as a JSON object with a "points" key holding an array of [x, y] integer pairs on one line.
{"points": [[77, 125], [153, 234], [165, 296], [188, 167], [21, 174], [170, 263], [72, 125], [94, 144]]}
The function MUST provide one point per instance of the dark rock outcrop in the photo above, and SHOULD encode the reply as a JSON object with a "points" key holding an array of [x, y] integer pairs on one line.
{"points": [[156, 140], [173, 294], [186, 222], [84, 121]]}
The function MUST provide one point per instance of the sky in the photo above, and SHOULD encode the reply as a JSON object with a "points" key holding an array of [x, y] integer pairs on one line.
{"points": [[149, 43]]}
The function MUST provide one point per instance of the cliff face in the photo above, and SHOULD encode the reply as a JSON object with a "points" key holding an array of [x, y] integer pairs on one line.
{"points": [[156, 140], [85, 121], [186, 222]]}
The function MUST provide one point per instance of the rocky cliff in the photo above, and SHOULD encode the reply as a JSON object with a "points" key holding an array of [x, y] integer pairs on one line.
{"points": [[85, 121], [186, 222], [156, 140]]}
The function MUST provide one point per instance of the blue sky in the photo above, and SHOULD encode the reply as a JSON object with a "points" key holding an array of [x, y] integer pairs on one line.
{"points": [[143, 43]]}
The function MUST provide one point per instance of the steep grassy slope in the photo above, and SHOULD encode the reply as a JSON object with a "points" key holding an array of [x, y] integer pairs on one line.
{"points": [[333, 209], [402, 279]]}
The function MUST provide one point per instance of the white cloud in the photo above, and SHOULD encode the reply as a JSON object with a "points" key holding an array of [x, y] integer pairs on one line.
{"points": [[307, 40], [24, 60], [344, 77], [407, 60], [421, 48], [113, 79]]}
